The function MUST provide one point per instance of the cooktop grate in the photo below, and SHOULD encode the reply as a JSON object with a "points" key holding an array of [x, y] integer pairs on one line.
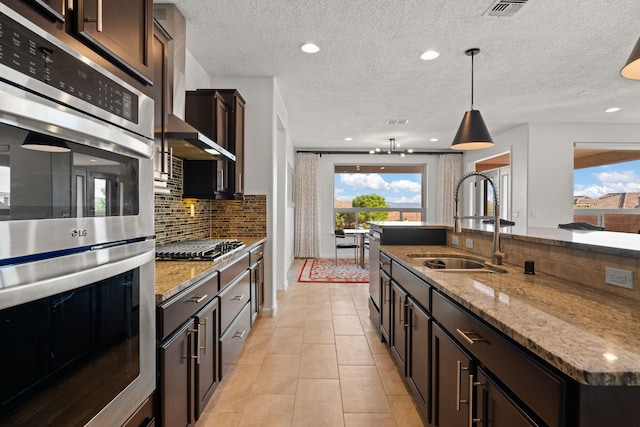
{"points": [[198, 250]]}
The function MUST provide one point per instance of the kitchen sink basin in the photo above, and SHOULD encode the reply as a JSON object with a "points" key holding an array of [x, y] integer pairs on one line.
{"points": [[455, 263]]}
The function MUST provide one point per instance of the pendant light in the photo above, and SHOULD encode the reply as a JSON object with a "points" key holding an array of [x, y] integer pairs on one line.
{"points": [[472, 133], [631, 69]]}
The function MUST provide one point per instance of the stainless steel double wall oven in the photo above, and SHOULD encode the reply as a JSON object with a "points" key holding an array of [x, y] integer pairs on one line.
{"points": [[77, 302]]}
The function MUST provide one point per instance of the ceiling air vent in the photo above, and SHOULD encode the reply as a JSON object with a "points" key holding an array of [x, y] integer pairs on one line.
{"points": [[397, 122], [505, 8]]}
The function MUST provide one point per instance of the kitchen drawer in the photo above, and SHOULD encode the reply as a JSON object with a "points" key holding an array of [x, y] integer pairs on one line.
{"points": [[415, 286], [385, 263], [232, 341], [233, 298], [538, 387], [256, 253], [233, 270], [176, 310]]}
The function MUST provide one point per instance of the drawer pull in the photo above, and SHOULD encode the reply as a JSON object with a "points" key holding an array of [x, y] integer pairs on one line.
{"points": [[467, 338], [239, 334], [238, 298], [198, 299]]}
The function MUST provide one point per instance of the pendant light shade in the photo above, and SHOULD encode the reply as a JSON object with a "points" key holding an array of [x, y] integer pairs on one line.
{"points": [[472, 133], [631, 69]]}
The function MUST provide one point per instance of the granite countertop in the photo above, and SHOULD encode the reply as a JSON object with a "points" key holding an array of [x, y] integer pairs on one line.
{"points": [[174, 276], [585, 333]]}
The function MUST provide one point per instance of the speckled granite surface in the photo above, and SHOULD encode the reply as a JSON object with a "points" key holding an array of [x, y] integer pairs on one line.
{"points": [[174, 276], [589, 335]]}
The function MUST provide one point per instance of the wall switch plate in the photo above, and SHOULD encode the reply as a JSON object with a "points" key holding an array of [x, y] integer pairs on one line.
{"points": [[619, 277], [455, 240], [469, 243]]}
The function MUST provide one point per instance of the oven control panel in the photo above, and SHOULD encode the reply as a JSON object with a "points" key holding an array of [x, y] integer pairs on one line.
{"points": [[38, 58]]}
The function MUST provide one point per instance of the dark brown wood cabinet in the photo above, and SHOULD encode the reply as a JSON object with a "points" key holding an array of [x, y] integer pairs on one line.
{"points": [[495, 408], [419, 354], [220, 115], [122, 30], [54, 9], [188, 353], [235, 139], [116, 34], [160, 95], [452, 370], [177, 377], [398, 336], [385, 305]]}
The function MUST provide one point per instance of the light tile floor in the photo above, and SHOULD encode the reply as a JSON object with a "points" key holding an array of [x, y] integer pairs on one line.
{"points": [[317, 363]]}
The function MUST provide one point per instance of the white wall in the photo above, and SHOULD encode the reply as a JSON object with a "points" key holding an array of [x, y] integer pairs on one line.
{"points": [[516, 142], [326, 171], [265, 117], [195, 75], [542, 165]]}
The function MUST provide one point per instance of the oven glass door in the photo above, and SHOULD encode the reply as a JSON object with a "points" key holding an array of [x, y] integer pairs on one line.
{"points": [[77, 181], [66, 356], [77, 335]]}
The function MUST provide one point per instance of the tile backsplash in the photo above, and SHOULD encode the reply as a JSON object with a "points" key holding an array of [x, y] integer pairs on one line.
{"points": [[211, 218], [581, 266]]}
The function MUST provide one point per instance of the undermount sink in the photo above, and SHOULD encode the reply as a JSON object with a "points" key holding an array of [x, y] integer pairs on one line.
{"points": [[454, 263]]}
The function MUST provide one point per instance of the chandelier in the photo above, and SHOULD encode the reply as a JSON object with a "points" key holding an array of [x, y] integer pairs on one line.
{"points": [[393, 149]]}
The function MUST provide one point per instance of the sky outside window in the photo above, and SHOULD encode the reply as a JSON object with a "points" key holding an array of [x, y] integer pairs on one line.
{"points": [[398, 189], [597, 181]]}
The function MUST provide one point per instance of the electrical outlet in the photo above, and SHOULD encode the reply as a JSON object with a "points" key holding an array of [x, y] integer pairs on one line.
{"points": [[455, 240], [619, 277], [469, 243]]}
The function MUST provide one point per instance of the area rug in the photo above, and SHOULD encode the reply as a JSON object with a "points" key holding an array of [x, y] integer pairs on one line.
{"points": [[326, 271]]}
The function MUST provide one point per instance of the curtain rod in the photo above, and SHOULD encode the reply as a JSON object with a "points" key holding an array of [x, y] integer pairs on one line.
{"points": [[366, 152]]}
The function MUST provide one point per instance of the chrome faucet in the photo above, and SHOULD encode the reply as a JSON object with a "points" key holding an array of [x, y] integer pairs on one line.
{"points": [[498, 255]]}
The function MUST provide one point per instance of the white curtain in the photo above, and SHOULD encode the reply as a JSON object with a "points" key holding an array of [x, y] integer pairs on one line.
{"points": [[450, 172], [307, 205]]}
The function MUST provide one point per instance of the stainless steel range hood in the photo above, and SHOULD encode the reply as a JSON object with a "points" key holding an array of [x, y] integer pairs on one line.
{"points": [[187, 142]]}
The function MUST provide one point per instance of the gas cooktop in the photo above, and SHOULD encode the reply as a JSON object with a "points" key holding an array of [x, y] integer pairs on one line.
{"points": [[199, 250]]}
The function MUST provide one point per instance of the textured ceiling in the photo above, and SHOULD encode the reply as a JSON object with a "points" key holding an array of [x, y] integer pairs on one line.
{"points": [[554, 61]]}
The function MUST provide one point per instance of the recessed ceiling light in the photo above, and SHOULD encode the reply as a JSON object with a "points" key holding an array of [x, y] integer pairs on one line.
{"points": [[429, 55], [348, 139], [310, 48], [612, 110], [433, 140]]}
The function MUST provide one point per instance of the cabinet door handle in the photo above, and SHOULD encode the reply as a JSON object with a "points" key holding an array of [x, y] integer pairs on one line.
{"points": [[240, 183], [204, 326], [197, 332], [459, 369], [198, 300], [239, 334], [99, 16], [467, 338], [238, 298], [471, 385], [69, 4], [221, 184], [401, 310]]}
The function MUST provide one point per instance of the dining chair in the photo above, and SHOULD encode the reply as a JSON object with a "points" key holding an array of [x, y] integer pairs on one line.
{"points": [[346, 242]]}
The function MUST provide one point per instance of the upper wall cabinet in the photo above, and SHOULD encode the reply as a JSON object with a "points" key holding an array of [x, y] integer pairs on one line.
{"points": [[55, 9], [122, 30]]}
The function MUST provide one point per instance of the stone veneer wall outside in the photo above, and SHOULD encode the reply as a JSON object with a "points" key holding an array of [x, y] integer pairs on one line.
{"points": [[583, 267], [212, 218]]}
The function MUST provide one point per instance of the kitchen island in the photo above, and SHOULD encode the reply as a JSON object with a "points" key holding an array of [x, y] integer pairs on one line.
{"points": [[575, 344]]}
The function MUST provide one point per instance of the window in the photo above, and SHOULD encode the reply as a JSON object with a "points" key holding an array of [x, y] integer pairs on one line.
{"points": [[377, 193], [606, 189]]}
